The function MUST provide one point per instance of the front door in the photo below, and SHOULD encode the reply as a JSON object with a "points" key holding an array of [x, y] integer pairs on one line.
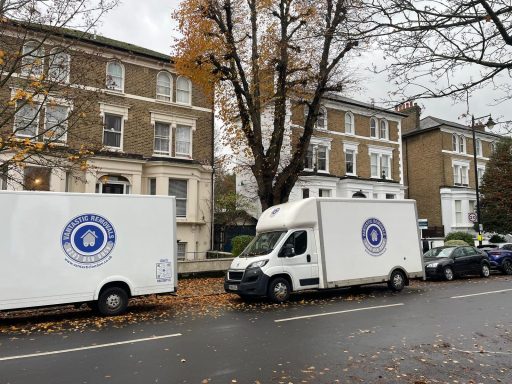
{"points": [[302, 263]]}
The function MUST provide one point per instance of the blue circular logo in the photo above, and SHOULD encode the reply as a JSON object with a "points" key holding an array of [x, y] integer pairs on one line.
{"points": [[274, 212], [374, 237], [88, 240]]}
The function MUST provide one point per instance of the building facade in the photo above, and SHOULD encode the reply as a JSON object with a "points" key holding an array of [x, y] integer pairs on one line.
{"points": [[440, 169], [355, 150], [151, 128]]}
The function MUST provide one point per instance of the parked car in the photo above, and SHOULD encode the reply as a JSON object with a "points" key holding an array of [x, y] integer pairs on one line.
{"points": [[501, 258], [449, 262]]}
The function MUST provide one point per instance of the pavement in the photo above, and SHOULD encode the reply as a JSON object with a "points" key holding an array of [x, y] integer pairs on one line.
{"points": [[432, 332]]}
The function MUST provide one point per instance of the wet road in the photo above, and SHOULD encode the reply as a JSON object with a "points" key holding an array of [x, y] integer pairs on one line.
{"points": [[457, 332]]}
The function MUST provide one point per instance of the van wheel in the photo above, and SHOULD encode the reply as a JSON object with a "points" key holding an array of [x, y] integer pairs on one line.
{"points": [[279, 290], [397, 281], [485, 271], [112, 301]]}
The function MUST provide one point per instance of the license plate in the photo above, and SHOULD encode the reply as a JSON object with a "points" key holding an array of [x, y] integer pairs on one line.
{"points": [[233, 287]]}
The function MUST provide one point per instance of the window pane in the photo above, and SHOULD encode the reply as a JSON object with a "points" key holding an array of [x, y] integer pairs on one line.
{"points": [[461, 144], [348, 122], [305, 193], [32, 60], [59, 67], [299, 240], [163, 87], [373, 128], [308, 161], [152, 186], [320, 121], [322, 158], [374, 160], [183, 140], [349, 161], [383, 129], [454, 143], [385, 160], [182, 250], [178, 188], [114, 76], [56, 122], [162, 133], [458, 211], [324, 193], [183, 90], [112, 132], [26, 120]]}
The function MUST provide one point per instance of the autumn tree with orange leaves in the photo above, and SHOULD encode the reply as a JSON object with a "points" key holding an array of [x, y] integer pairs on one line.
{"points": [[261, 55], [40, 100]]}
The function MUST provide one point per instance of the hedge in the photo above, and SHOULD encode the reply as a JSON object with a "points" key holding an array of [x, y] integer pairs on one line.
{"points": [[464, 236]]}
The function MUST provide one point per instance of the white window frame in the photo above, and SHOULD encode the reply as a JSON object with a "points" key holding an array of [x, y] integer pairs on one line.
{"points": [[455, 142], [184, 244], [120, 89], [29, 65], [326, 190], [386, 129], [458, 223], [119, 110], [166, 98], [461, 169], [326, 170], [480, 177], [189, 90], [376, 128], [315, 142], [349, 118], [322, 111], [174, 121], [127, 185], [180, 154], [353, 147], [36, 120], [169, 138], [312, 157], [462, 144], [379, 151], [68, 65], [180, 198], [478, 145], [63, 139]]}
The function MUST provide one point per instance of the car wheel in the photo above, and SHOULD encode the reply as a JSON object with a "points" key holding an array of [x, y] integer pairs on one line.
{"points": [[506, 265], [279, 290], [396, 281], [448, 273], [112, 301], [485, 271]]}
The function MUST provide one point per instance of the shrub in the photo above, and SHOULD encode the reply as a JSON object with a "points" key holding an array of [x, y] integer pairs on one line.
{"points": [[239, 243], [464, 236], [455, 243], [497, 239]]}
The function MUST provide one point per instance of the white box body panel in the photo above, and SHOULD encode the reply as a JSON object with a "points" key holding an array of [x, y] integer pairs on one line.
{"points": [[348, 253], [58, 248]]}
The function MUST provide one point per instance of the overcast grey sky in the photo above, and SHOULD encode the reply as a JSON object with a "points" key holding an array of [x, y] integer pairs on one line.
{"points": [[148, 23]]}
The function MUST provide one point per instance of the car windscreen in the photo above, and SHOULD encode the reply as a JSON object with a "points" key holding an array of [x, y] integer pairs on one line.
{"points": [[445, 252], [433, 252], [263, 244]]}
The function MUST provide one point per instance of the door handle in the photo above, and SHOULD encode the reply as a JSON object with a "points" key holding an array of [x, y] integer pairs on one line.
{"points": [[308, 258]]}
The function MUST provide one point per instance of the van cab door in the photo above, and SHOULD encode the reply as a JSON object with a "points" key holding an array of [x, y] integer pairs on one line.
{"points": [[299, 259]]}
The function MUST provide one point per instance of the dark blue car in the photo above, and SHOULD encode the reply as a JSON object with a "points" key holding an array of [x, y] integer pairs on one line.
{"points": [[501, 258]]}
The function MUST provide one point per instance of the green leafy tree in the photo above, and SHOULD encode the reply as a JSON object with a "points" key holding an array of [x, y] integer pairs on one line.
{"points": [[496, 190]]}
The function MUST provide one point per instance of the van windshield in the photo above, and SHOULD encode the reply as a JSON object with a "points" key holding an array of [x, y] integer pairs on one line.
{"points": [[263, 244]]}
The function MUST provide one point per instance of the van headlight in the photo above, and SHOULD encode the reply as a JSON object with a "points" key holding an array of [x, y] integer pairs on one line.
{"points": [[258, 264], [432, 265]]}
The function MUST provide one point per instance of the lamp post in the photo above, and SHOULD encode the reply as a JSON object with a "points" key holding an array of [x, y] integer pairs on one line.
{"points": [[490, 124]]}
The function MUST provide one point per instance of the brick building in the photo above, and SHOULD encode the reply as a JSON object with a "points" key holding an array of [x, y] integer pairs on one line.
{"points": [[355, 148], [152, 128], [439, 169]]}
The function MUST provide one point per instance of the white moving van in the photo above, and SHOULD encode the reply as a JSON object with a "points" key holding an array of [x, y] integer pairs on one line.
{"points": [[61, 248], [319, 243]]}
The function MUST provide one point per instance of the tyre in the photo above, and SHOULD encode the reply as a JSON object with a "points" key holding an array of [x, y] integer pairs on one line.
{"points": [[396, 281], [279, 290], [112, 301], [448, 273], [485, 270], [506, 266]]}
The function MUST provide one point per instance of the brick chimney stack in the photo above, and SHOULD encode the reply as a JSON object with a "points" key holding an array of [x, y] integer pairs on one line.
{"points": [[412, 121]]}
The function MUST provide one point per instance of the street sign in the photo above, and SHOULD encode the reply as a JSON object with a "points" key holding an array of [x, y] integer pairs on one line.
{"points": [[472, 217], [423, 223]]}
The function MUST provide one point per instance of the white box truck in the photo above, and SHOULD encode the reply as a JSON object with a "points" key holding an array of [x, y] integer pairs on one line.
{"points": [[62, 248], [320, 243]]}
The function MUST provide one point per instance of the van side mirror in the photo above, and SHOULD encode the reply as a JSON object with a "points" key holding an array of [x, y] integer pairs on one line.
{"points": [[287, 251]]}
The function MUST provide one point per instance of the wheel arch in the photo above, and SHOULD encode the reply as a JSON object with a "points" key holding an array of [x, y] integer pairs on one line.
{"points": [[284, 276], [114, 281], [401, 269]]}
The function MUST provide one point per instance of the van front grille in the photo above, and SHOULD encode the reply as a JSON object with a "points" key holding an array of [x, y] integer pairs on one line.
{"points": [[235, 276]]}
